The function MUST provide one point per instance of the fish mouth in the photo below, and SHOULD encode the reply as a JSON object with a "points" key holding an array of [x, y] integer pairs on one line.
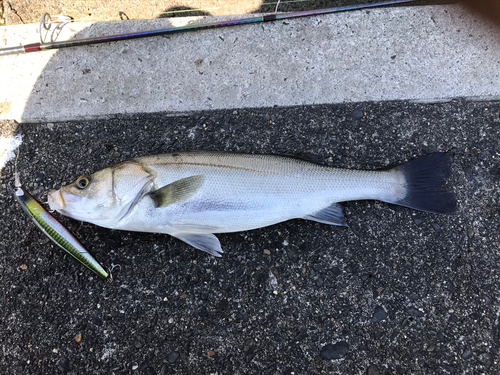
{"points": [[55, 199]]}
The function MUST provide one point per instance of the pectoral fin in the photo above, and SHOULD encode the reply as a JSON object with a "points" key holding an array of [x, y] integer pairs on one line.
{"points": [[178, 191], [332, 215], [202, 241]]}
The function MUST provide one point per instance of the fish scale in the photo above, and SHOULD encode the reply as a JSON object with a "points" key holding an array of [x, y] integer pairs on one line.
{"points": [[274, 189]]}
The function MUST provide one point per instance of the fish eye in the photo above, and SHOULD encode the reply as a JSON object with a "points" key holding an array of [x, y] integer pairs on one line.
{"points": [[83, 182]]}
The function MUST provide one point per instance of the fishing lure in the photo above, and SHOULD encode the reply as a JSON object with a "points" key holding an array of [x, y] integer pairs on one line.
{"points": [[55, 231]]}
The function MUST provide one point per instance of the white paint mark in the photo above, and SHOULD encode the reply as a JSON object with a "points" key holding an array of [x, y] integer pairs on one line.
{"points": [[7, 148]]}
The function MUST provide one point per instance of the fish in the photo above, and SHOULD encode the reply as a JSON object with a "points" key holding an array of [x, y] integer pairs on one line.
{"points": [[194, 195], [55, 230]]}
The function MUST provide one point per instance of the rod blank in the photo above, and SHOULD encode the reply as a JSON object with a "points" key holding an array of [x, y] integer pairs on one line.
{"points": [[35, 47]]}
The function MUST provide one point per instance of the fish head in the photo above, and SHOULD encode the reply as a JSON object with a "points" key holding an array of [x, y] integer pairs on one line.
{"points": [[103, 197]]}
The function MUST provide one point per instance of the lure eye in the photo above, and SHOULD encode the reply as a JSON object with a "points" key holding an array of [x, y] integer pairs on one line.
{"points": [[83, 182]]}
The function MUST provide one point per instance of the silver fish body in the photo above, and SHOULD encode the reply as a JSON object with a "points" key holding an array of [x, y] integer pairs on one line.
{"points": [[192, 195]]}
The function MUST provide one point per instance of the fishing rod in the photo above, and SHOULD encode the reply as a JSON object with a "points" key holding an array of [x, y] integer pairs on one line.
{"points": [[35, 47]]}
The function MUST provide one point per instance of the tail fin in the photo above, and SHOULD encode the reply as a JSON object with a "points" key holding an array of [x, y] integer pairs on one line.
{"points": [[425, 178]]}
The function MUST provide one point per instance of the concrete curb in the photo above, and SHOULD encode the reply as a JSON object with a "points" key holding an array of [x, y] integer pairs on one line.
{"points": [[429, 53]]}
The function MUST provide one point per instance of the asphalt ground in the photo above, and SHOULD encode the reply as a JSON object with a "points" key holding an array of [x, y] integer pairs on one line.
{"points": [[398, 292]]}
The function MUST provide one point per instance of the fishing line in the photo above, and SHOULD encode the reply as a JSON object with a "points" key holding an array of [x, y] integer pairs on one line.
{"points": [[277, 5]]}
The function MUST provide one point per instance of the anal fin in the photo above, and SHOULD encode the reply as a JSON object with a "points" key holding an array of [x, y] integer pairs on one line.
{"points": [[332, 215], [202, 241]]}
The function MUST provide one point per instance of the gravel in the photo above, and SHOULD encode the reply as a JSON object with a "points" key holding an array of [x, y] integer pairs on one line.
{"points": [[307, 305]]}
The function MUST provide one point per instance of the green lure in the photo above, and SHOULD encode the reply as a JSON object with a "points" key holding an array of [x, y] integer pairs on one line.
{"points": [[56, 232]]}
